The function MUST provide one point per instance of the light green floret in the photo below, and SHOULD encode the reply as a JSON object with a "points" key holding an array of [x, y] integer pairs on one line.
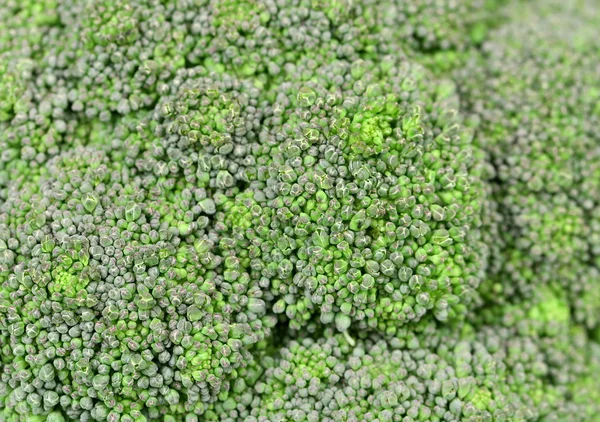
{"points": [[372, 125], [66, 283], [551, 306]]}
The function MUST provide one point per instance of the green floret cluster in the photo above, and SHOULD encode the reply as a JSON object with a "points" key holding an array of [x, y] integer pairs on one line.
{"points": [[299, 210], [114, 299], [538, 106], [370, 207]]}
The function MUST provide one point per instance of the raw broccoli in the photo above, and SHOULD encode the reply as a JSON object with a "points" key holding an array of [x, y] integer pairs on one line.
{"points": [[114, 301], [299, 210], [535, 94], [517, 369], [369, 208]]}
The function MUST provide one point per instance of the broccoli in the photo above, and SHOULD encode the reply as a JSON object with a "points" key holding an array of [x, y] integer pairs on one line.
{"points": [[369, 210], [504, 372], [299, 210], [534, 91], [114, 301]]}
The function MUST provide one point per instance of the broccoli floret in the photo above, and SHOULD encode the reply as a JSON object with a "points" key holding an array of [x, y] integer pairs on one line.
{"points": [[299, 210], [369, 208], [534, 93], [506, 371], [114, 298]]}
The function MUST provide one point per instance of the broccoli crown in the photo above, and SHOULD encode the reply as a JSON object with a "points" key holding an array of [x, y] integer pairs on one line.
{"points": [[114, 298], [358, 203], [181, 198], [516, 369], [299, 210], [368, 210], [537, 101]]}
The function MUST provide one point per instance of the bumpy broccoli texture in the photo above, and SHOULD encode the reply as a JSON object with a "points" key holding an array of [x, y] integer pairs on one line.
{"points": [[299, 210]]}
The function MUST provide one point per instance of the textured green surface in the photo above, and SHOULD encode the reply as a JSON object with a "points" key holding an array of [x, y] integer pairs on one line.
{"points": [[299, 210]]}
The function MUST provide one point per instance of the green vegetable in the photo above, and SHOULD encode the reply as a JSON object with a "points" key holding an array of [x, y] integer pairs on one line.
{"points": [[299, 210]]}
